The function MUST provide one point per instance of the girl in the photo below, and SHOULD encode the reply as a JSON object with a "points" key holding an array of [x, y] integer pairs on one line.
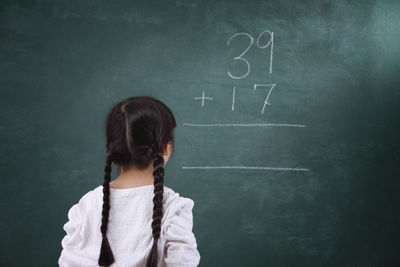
{"points": [[134, 220]]}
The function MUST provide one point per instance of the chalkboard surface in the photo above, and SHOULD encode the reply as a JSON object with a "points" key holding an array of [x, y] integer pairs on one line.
{"points": [[288, 122]]}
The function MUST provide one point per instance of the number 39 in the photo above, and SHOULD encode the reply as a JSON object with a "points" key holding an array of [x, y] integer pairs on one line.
{"points": [[270, 44]]}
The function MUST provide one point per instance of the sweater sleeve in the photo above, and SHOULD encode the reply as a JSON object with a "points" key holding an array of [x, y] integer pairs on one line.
{"points": [[72, 253], [180, 242]]}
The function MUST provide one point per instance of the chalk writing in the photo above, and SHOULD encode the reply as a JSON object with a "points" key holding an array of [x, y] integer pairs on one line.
{"points": [[202, 99], [269, 36], [240, 57], [271, 86]]}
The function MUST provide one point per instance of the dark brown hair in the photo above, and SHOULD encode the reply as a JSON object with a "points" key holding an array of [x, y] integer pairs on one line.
{"points": [[137, 129]]}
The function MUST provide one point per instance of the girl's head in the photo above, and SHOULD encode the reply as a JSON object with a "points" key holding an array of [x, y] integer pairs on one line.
{"points": [[138, 129]]}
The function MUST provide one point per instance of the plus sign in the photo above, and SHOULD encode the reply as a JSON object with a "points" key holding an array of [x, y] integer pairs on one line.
{"points": [[202, 99]]}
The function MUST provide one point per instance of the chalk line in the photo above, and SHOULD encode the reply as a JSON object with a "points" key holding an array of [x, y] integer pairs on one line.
{"points": [[246, 167], [245, 125]]}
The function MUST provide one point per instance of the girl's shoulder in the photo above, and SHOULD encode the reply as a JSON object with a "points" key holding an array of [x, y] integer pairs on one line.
{"points": [[86, 201], [174, 204], [173, 198]]}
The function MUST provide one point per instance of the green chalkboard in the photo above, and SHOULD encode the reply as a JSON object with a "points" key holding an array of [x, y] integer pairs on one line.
{"points": [[288, 122]]}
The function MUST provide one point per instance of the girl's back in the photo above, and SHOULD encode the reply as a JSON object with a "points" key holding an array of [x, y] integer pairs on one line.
{"points": [[129, 232]]}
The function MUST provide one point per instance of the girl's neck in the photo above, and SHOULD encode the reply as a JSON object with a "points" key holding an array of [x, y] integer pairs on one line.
{"points": [[133, 178]]}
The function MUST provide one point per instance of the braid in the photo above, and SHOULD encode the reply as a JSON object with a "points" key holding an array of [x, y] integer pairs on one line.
{"points": [[158, 174], [106, 256]]}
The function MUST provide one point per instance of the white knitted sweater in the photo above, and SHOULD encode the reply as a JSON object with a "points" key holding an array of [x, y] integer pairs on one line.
{"points": [[129, 229]]}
